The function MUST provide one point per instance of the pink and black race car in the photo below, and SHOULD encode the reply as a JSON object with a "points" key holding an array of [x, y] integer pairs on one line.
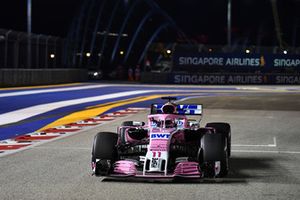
{"points": [[170, 145]]}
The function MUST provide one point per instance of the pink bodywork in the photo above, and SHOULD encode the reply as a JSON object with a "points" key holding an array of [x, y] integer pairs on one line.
{"points": [[125, 167], [186, 169], [181, 122], [160, 135], [157, 144]]}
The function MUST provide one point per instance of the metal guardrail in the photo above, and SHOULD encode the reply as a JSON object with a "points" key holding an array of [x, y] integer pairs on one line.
{"points": [[46, 51], [24, 77]]}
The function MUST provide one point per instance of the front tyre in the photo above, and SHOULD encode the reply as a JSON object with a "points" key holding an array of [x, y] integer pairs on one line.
{"points": [[213, 151], [224, 168], [104, 153]]}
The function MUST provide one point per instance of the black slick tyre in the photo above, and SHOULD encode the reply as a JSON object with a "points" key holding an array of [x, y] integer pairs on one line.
{"points": [[225, 129], [127, 123], [213, 148], [104, 149]]}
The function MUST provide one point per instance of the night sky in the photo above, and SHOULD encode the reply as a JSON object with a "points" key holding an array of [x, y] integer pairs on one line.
{"points": [[202, 20], [51, 17]]}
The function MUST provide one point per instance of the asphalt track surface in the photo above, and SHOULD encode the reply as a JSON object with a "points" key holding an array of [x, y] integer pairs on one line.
{"points": [[264, 164]]}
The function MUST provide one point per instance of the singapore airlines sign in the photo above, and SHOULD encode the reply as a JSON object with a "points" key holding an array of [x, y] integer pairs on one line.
{"points": [[194, 59], [222, 61]]}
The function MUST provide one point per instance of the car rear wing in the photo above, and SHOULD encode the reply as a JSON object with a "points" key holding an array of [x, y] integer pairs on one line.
{"points": [[181, 109]]}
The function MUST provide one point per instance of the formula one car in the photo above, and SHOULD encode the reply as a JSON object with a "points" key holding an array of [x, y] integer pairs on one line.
{"points": [[170, 145]]}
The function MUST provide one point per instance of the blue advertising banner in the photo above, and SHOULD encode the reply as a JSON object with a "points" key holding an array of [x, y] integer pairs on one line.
{"points": [[235, 60], [181, 78]]}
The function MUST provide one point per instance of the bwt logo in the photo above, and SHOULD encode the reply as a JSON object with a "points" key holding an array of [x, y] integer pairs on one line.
{"points": [[160, 135]]}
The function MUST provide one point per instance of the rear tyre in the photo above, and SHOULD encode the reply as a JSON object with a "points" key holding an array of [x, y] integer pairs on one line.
{"points": [[132, 123], [104, 150], [225, 129], [213, 149], [121, 134], [127, 123]]}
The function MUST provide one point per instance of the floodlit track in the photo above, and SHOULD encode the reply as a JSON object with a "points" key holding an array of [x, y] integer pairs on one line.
{"points": [[264, 164]]}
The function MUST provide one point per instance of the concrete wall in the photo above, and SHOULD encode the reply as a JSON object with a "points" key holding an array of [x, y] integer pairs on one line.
{"points": [[150, 77], [27, 77]]}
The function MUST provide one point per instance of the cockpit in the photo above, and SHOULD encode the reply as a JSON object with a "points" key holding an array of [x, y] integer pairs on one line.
{"points": [[168, 122]]}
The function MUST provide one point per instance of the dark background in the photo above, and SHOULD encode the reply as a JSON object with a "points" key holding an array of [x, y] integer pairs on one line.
{"points": [[203, 21]]}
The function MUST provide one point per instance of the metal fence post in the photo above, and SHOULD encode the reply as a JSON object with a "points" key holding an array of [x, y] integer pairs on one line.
{"points": [[29, 33], [38, 50], [16, 51], [63, 53], [46, 51], [55, 52], [6, 47], [229, 23]]}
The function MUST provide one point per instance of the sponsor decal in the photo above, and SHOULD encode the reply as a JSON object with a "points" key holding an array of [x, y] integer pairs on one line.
{"points": [[187, 106], [216, 61], [253, 60], [160, 135], [189, 109], [233, 60], [153, 124], [180, 123], [201, 61], [262, 61], [286, 62], [285, 79], [154, 163], [154, 154], [159, 142], [234, 79], [158, 149], [217, 79]]}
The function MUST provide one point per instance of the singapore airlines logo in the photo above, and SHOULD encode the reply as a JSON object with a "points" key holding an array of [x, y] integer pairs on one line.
{"points": [[262, 62]]}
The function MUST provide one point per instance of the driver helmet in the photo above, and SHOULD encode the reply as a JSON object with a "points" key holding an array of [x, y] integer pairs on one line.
{"points": [[170, 123]]}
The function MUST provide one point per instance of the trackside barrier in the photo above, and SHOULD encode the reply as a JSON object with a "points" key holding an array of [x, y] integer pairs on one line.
{"points": [[221, 79], [25, 77]]}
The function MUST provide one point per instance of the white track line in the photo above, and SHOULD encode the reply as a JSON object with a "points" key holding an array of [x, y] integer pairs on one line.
{"points": [[38, 91], [10, 94], [257, 145], [21, 114]]}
